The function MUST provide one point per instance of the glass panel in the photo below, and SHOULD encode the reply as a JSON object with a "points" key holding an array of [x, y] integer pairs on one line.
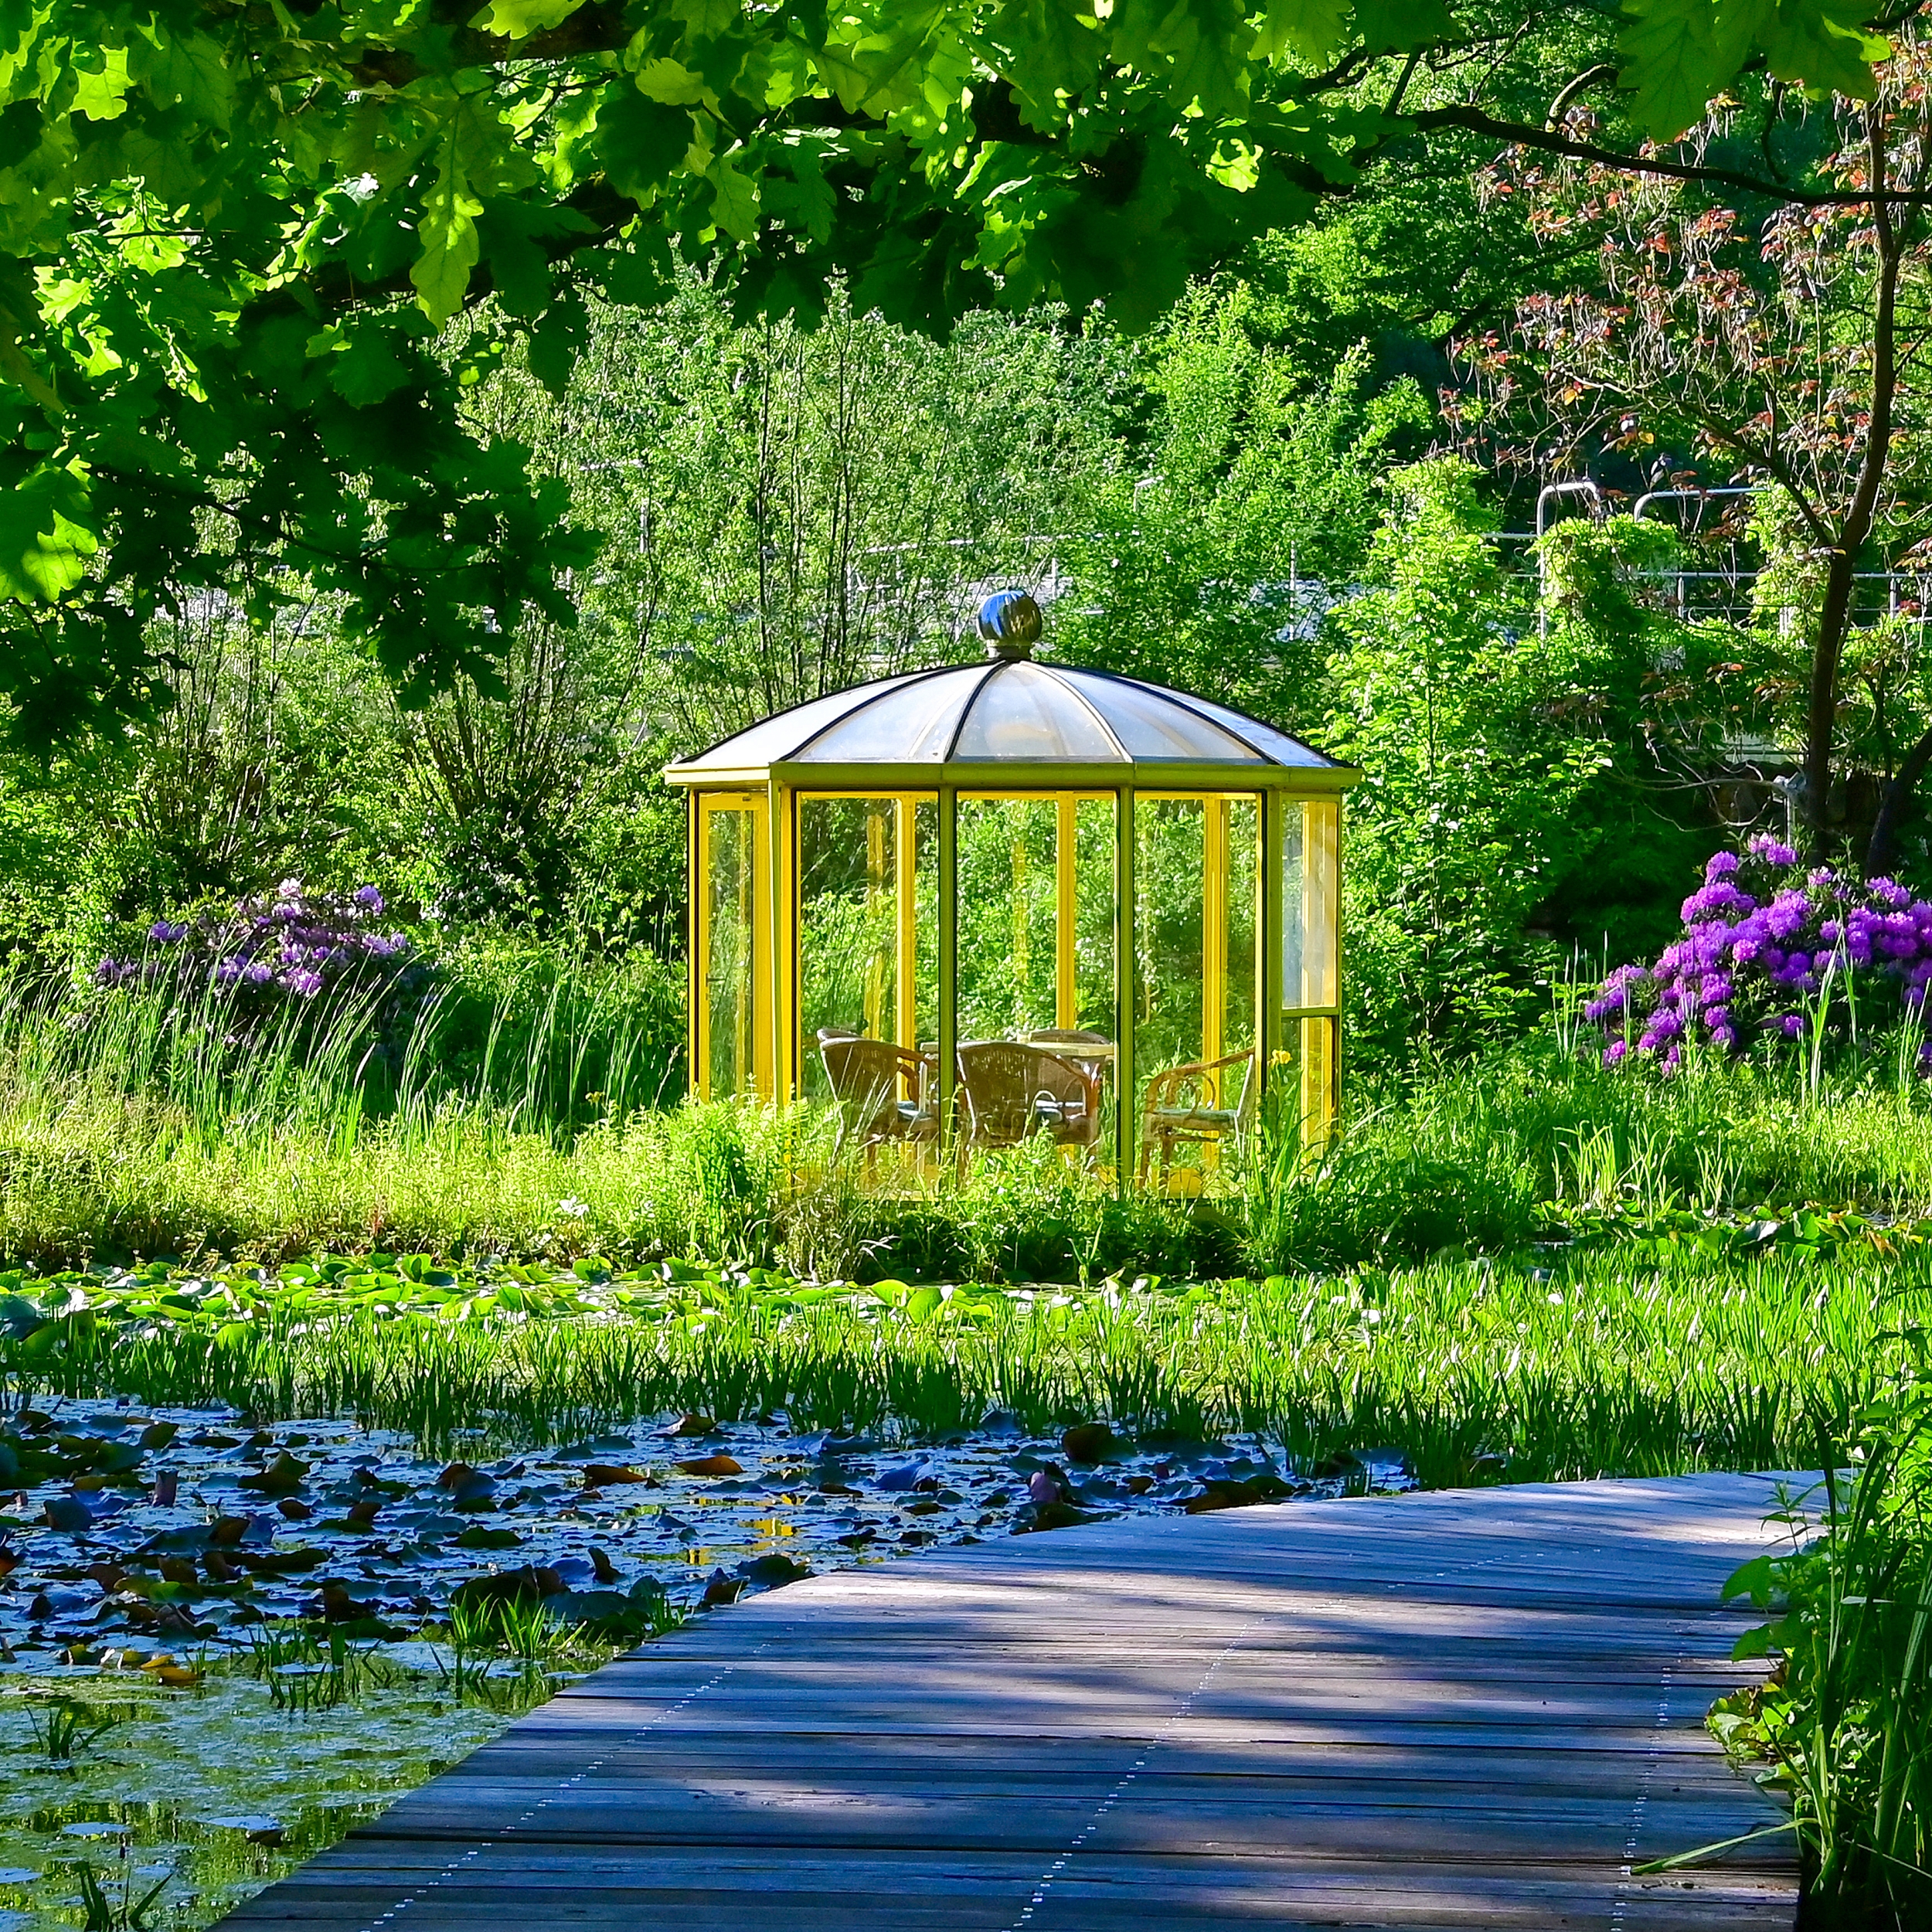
{"points": [[1008, 903], [1095, 994], [868, 881], [1167, 879], [1303, 1076], [1294, 847], [1265, 739], [1310, 926], [1241, 913], [1023, 714], [1152, 726], [726, 1043], [1196, 872], [913, 725], [1320, 905], [1035, 964], [776, 738]]}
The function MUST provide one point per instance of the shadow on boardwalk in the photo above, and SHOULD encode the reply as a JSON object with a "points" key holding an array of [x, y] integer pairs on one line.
{"points": [[1471, 1709]]}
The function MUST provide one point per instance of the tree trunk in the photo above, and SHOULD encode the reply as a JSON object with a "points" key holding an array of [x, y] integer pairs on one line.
{"points": [[1835, 619], [1898, 796]]}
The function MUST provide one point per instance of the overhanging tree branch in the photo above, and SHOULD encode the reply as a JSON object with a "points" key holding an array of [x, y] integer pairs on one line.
{"points": [[1519, 133]]}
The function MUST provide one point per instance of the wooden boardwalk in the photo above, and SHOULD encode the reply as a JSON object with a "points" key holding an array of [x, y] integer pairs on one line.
{"points": [[1471, 1708]]}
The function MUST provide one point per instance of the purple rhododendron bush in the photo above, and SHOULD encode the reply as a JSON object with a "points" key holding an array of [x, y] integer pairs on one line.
{"points": [[288, 945], [1772, 951], [317, 968]]}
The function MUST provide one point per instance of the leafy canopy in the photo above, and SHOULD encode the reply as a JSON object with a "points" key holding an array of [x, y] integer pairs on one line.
{"points": [[234, 235]]}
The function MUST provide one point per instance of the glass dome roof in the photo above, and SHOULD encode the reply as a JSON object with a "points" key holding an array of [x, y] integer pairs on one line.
{"points": [[1012, 711]]}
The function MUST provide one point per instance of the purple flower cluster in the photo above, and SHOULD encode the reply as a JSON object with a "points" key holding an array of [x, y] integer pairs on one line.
{"points": [[290, 944], [1766, 950]]}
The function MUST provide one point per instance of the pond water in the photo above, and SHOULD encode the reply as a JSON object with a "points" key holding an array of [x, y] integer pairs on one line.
{"points": [[223, 1646]]}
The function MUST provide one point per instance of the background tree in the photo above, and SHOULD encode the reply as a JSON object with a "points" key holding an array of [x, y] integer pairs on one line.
{"points": [[1466, 816], [1210, 562], [1763, 345]]}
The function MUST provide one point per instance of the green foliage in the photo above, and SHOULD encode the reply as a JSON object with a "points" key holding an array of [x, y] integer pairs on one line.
{"points": [[1476, 1372], [1668, 700], [556, 1041], [1679, 53], [791, 511], [1843, 1723], [230, 237], [1255, 484], [1444, 696]]}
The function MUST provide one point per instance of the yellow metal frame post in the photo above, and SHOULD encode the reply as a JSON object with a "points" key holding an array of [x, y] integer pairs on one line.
{"points": [[1214, 933], [1066, 1002], [1320, 944], [876, 875], [697, 943], [744, 1046], [906, 906], [1126, 981], [948, 961], [776, 892], [1270, 993]]}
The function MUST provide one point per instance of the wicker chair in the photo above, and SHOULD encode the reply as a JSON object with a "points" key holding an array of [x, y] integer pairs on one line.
{"points": [[1173, 1110], [1014, 1089], [864, 1075]]}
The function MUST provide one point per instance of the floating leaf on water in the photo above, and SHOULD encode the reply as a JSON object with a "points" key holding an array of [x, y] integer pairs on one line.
{"points": [[1057, 1515], [1090, 1442], [282, 1477], [19, 1318], [70, 1515], [531, 1584], [600, 1476], [774, 1573], [721, 1589]]}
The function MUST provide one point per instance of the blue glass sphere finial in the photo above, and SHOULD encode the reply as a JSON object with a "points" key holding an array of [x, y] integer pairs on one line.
{"points": [[1009, 621]]}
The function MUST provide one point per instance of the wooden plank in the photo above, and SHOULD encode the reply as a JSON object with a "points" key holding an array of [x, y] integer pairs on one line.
{"points": [[1454, 1710]]}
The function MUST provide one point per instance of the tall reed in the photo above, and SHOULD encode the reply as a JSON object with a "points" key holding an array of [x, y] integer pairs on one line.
{"points": [[1847, 1718]]}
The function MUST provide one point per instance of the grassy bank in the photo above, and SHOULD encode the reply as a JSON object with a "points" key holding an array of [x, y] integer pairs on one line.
{"points": [[1492, 1158]]}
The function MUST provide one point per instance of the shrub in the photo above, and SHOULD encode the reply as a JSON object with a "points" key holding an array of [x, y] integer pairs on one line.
{"points": [[289, 946], [1771, 950]]}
